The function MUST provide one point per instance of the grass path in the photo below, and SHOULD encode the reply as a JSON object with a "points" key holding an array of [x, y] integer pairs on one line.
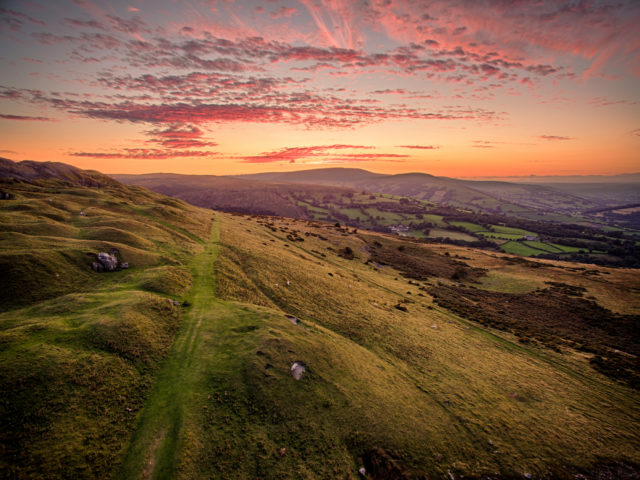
{"points": [[156, 446]]}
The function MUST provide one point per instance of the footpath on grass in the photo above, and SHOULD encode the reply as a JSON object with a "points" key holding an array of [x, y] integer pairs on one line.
{"points": [[161, 443]]}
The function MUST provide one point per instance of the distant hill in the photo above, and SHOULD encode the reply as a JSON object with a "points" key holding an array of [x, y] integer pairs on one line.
{"points": [[228, 193], [554, 179], [530, 201], [31, 171], [320, 176]]}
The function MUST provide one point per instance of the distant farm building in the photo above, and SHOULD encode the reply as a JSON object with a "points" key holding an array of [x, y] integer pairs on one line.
{"points": [[399, 229]]}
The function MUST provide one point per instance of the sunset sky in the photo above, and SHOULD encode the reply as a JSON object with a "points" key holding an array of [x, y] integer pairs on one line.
{"points": [[455, 88]]}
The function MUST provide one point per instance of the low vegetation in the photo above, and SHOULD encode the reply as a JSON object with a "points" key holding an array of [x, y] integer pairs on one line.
{"points": [[422, 360]]}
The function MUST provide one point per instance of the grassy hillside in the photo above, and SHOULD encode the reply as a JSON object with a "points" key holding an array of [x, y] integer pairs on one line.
{"points": [[421, 360], [79, 349], [413, 385]]}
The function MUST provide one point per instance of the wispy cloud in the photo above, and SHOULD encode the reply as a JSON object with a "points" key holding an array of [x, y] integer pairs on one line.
{"points": [[321, 154], [144, 154], [420, 147], [25, 118], [555, 138]]}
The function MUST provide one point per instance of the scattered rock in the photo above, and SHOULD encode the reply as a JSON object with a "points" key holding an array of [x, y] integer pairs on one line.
{"points": [[283, 451], [175, 303], [346, 252], [298, 369], [292, 319], [363, 472], [124, 265], [108, 261], [82, 214], [401, 307], [528, 475]]}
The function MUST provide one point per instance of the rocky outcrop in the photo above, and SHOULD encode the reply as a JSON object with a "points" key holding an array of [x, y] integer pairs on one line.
{"points": [[106, 262]]}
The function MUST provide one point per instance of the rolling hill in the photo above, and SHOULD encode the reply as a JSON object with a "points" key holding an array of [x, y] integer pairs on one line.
{"points": [[229, 194], [253, 346], [523, 200], [528, 220]]}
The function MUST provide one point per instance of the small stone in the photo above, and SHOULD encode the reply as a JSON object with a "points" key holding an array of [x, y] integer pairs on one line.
{"points": [[298, 369], [283, 451]]}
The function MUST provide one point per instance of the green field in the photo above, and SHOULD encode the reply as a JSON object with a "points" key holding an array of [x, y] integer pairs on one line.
{"points": [[452, 234], [520, 248], [472, 227], [505, 236], [511, 231]]}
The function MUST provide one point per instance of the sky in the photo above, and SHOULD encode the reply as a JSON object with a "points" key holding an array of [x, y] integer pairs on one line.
{"points": [[458, 88]]}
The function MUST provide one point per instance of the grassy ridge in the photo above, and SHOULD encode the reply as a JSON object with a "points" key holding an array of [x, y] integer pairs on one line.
{"points": [[78, 349]]}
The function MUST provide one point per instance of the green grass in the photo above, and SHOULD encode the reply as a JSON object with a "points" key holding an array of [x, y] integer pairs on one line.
{"points": [[567, 249], [79, 349], [160, 431], [355, 306], [545, 247], [472, 227], [441, 233], [511, 230], [353, 213], [435, 219], [504, 236], [519, 248]]}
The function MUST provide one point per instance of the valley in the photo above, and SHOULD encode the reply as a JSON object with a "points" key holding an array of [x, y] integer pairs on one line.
{"points": [[527, 220]]}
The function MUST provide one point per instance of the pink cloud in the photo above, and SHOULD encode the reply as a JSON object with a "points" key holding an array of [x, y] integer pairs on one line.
{"points": [[291, 154], [25, 118], [322, 154], [15, 20], [283, 12], [419, 147], [179, 136], [144, 154]]}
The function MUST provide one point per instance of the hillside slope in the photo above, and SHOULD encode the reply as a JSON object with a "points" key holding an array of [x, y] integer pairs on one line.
{"points": [[79, 349], [399, 381]]}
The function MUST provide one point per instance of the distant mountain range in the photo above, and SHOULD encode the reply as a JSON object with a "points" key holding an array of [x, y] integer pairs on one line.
{"points": [[554, 179], [270, 192]]}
